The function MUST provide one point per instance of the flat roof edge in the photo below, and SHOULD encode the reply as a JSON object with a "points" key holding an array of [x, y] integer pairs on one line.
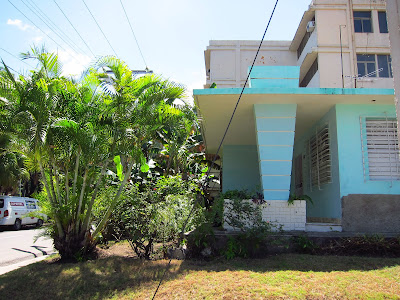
{"points": [[299, 91]]}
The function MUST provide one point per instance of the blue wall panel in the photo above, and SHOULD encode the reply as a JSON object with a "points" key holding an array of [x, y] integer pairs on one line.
{"points": [[240, 168], [352, 180], [275, 138], [275, 152], [276, 167], [276, 182], [275, 124], [275, 110]]}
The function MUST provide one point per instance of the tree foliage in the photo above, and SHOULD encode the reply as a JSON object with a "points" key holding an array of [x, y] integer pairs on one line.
{"points": [[80, 133]]}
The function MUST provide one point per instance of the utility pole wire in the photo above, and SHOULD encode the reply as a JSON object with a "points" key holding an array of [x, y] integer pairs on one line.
{"points": [[100, 28], [54, 26], [16, 57], [227, 128], [74, 27], [45, 33], [137, 43]]}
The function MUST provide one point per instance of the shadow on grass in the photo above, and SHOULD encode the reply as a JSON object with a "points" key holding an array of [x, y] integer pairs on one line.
{"points": [[116, 276]]}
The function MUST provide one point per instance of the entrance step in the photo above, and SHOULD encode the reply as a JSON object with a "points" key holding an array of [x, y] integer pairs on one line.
{"points": [[323, 227]]}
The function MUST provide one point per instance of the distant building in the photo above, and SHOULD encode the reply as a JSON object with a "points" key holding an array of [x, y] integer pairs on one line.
{"points": [[318, 119]]}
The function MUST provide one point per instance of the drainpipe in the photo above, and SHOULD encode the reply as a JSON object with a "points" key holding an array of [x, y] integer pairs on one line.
{"points": [[352, 41], [393, 19]]}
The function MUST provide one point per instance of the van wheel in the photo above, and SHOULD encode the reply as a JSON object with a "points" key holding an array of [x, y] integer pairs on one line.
{"points": [[17, 224], [39, 223]]}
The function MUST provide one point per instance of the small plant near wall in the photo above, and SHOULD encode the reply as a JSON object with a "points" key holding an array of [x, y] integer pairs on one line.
{"points": [[294, 197]]}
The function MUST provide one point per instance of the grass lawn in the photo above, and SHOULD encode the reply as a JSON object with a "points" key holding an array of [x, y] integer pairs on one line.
{"points": [[288, 276]]}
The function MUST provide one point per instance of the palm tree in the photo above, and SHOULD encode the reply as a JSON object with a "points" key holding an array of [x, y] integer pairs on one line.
{"points": [[74, 132]]}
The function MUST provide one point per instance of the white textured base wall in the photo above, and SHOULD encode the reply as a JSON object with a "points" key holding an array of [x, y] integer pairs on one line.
{"points": [[290, 217]]}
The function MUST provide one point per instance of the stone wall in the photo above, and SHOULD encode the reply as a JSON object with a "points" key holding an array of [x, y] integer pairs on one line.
{"points": [[371, 213]]}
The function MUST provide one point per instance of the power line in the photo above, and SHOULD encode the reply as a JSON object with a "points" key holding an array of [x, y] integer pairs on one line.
{"points": [[54, 26], [227, 128], [10, 67], [44, 32], [16, 57], [100, 28], [137, 43], [241, 93], [74, 27]]}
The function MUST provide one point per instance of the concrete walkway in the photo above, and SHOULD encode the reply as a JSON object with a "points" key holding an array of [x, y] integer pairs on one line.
{"points": [[19, 248]]}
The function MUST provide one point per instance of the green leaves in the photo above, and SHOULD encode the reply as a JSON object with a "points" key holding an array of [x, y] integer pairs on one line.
{"points": [[118, 165]]}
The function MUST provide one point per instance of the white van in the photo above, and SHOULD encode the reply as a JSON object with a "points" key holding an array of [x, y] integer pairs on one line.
{"points": [[13, 212]]}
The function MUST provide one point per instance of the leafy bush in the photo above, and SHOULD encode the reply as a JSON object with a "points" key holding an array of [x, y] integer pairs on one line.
{"points": [[156, 212]]}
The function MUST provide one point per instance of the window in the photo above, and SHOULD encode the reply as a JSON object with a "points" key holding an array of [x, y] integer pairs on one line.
{"points": [[1, 203], [380, 149], [319, 157], [385, 63], [383, 27], [362, 21], [366, 65], [310, 74]]}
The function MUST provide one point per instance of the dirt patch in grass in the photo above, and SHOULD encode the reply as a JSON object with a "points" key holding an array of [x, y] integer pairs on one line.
{"points": [[118, 275]]}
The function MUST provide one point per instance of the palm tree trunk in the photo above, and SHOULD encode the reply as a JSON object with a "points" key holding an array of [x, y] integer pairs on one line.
{"points": [[78, 211], [66, 184], [51, 183], [56, 177], [114, 201], [86, 223], [76, 172], [46, 185]]}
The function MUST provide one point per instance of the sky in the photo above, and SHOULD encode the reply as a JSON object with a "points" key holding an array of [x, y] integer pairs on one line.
{"points": [[172, 35]]}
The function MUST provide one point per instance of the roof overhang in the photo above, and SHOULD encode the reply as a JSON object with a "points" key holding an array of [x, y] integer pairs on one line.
{"points": [[301, 29], [216, 107]]}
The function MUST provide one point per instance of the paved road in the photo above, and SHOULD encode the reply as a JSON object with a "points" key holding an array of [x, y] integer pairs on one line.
{"points": [[18, 247]]}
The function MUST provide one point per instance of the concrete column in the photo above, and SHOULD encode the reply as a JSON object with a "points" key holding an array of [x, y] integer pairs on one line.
{"points": [[275, 126], [393, 19]]}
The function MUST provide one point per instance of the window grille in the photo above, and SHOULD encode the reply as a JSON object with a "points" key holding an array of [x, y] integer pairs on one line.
{"points": [[319, 156], [380, 149], [362, 21]]}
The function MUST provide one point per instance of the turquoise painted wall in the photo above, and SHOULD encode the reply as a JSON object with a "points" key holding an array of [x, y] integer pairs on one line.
{"points": [[326, 199], [275, 125], [274, 77], [351, 170], [240, 168]]}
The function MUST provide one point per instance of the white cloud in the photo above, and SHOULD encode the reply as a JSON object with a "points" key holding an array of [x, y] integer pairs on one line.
{"points": [[73, 63], [37, 39], [19, 24]]}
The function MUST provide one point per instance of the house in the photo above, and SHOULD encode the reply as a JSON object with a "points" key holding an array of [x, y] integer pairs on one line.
{"points": [[317, 118]]}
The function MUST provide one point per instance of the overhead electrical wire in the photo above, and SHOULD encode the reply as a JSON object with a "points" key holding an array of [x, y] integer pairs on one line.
{"points": [[100, 28], [52, 28], [16, 57], [44, 32], [226, 131], [10, 67], [134, 36], [73, 27], [55, 27]]}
